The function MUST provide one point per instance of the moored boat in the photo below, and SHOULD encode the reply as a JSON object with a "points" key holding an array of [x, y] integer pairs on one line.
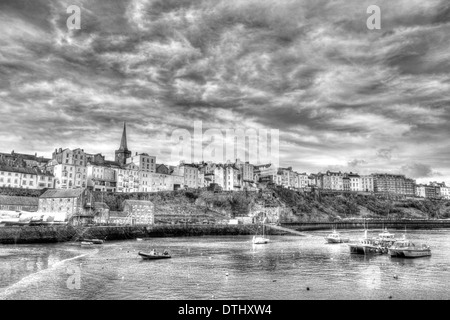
{"points": [[407, 249], [366, 246], [260, 239], [335, 237], [94, 241], [153, 255], [386, 239], [86, 243]]}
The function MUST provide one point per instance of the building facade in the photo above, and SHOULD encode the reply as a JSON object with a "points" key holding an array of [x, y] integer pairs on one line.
{"points": [[66, 205], [139, 212], [394, 184], [25, 178]]}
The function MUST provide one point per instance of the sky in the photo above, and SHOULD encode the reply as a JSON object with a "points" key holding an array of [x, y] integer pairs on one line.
{"points": [[343, 97]]}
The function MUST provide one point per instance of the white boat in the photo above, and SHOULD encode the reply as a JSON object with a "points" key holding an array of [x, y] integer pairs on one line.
{"points": [[260, 239], [86, 243], [386, 238], [335, 237], [407, 249]]}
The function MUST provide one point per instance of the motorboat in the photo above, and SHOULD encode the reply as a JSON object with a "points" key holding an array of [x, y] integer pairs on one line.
{"points": [[366, 246], [153, 255], [335, 237], [386, 239], [406, 249], [86, 243], [260, 240]]}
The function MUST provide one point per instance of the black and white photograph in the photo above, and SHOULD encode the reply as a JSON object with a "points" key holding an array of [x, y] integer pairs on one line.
{"points": [[222, 151]]}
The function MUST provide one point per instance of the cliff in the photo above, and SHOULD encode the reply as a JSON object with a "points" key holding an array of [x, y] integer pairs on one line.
{"points": [[279, 205], [275, 203]]}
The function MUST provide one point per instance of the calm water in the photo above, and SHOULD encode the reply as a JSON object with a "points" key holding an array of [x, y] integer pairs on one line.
{"points": [[282, 269]]}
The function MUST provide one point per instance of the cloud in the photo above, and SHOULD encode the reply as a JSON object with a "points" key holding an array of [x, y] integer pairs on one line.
{"points": [[385, 153], [419, 170], [336, 90], [356, 163]]}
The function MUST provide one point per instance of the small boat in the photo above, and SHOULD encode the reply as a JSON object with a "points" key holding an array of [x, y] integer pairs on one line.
{"points": [[335, 237], [86, 243], [407, 249], [153, 255], [366, 246], [260, 239], [139, 239], [94, 241]]}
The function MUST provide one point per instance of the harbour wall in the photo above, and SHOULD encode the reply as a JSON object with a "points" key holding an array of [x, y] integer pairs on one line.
{"points": [[52, 234], [372, 224], [48, 234]]}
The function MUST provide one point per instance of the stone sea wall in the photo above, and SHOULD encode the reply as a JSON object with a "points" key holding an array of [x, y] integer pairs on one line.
{"points": [[41, 234]]}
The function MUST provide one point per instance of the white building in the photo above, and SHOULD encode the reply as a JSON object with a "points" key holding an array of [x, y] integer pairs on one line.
{"points": [[231, 178], [25, 178], [303, 180], [366, 183], [190, 174]]}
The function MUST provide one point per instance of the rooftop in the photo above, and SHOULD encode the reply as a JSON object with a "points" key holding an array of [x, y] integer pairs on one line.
{"points": [[24, 201], [24, 170], [62, 193]]}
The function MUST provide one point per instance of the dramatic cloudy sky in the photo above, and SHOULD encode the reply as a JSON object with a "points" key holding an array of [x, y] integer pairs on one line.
{"points": [[343, 97]]}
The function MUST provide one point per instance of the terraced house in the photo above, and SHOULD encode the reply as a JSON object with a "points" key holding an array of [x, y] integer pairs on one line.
{"points": [[25, 178]]}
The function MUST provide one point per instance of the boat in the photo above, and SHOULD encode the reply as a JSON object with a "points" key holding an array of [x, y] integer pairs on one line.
{"points": [[406, 249], [335, 237], [139, 239], [386, 239], [153, 255], [86, 243], [260, 239], [94, 241], [366, 246]]}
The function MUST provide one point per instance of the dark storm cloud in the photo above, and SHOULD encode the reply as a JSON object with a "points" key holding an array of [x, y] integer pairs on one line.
{"points": [[338, 92]]}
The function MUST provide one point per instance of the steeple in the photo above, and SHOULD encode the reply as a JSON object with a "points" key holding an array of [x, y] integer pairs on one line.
{"points": [[123, 142], [123, 153]]}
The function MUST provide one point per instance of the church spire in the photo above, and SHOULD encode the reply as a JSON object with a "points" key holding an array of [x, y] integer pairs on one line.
{"points": [[123, 142], [123, 153]]}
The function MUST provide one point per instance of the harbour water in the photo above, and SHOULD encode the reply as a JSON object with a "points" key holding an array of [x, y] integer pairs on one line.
{"points": [[225, 267]]}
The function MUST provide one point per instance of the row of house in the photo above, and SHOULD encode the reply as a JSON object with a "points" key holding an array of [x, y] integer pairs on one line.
{"points": [[139, 172], [434, 190]]}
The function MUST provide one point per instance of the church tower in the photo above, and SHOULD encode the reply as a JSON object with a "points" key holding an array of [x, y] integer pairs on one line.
{"points": [[123, 153]]}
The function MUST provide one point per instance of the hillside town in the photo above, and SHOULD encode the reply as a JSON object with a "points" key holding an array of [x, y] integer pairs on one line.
{"points": [[140, 172]]}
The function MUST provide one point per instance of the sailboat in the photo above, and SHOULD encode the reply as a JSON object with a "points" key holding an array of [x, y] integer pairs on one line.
{"points": [[260, 239]]}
